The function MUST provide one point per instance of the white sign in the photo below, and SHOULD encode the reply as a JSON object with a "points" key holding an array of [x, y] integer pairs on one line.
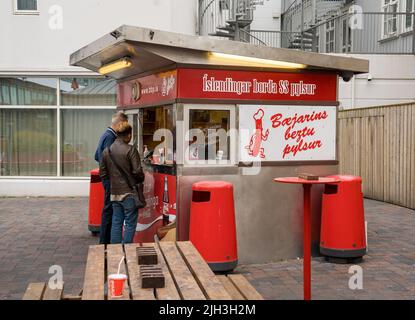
{"points": [[287, 133]]}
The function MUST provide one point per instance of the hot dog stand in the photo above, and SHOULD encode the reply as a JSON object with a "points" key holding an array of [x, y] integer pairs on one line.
{"points": [[211, 109]]}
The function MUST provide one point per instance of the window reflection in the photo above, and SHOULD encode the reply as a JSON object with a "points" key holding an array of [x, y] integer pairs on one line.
{"points": [[28, 91], [88, 92]]}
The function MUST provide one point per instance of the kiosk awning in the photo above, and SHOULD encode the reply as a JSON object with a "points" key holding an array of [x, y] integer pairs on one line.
{"points": [[129, 51]]}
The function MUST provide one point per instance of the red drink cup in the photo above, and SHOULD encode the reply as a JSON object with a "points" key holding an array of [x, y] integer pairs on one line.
{"points": [[116, 284]]}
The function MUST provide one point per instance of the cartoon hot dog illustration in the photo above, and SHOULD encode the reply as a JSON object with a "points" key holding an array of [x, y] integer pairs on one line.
{"points": [[254, 148]]}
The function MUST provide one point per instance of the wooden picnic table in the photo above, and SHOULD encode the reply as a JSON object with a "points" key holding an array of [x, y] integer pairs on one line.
{"points": [[187, 275]]}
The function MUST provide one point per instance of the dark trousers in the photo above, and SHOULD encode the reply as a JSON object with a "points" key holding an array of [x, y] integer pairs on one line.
{"points": [[106, 222]]}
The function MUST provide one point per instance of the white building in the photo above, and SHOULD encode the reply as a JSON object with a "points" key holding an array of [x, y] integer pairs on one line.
{"points": [[51, 114], [381, 31]]}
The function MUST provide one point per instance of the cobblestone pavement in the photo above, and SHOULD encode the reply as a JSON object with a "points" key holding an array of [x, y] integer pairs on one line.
{"points": [[38, 232]]}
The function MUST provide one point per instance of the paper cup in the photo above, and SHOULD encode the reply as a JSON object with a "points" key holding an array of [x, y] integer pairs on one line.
{"points": [[116, 284]]}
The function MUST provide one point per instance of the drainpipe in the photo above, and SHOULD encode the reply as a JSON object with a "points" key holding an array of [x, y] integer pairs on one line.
{"points": [[353, 102], [413, 33]]}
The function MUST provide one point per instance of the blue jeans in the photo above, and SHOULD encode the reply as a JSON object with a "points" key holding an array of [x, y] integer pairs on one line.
{"points": [[127, 211], [105, 231]]}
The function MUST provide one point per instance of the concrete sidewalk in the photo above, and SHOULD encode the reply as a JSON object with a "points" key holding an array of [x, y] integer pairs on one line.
{"points": [[36, 233]]}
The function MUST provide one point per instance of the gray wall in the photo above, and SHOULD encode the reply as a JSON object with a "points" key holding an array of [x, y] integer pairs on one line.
{"points": [[269, 216]]}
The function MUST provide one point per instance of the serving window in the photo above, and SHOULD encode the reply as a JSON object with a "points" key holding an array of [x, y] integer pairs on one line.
{"points": [[209, 135], [157, 132]]}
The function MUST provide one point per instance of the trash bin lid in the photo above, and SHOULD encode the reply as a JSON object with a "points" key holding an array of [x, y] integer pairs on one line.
{"points": [[210, 185], [94, 172]]}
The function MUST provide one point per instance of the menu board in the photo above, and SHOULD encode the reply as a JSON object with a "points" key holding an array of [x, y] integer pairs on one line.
{"points": [[287, 133]]}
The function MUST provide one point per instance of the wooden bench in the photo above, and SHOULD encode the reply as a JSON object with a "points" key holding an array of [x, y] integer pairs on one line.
{"points": [[239, 288], [187, 276], [40, 291]]}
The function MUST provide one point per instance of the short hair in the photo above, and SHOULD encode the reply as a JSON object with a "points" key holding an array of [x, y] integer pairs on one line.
{"points": [[119, 117], [123, 129]]}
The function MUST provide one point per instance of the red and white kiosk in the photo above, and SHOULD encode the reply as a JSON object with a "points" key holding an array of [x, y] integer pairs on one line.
{"points": [[210, 109]]}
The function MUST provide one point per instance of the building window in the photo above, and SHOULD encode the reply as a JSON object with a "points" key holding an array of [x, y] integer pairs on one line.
{"points": [[346, 36], [34, 143], [25, 7], [81, 129], [28, 142], [330, 36], [208, 135], [390, 18], [409, 17]]}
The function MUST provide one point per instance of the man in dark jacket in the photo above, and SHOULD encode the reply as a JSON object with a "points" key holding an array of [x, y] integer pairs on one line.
{"points": [[123, 157], [106, 140]]}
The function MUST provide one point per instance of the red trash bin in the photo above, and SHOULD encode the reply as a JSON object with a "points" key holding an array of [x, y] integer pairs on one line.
{"points": [[96, 202], [343, 232], [212, 224]]}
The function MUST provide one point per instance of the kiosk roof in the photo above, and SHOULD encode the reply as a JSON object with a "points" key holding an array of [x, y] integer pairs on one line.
{"points": [[151, 50]]}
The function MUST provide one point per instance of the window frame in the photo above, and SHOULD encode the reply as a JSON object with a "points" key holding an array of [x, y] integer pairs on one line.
{"points": [[330, 28], [410, 13], [386, 18], [233, 139], [17, 11], [346, 43]]}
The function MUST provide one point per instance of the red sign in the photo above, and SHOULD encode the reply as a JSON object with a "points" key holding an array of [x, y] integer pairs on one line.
{"points": [[228, 85], [256, 85], [147, 90]]}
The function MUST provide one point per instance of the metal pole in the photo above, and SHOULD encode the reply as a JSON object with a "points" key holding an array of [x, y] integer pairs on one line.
{"points": [[199, 17], [58, 129], [307, 242], [302, 25]]}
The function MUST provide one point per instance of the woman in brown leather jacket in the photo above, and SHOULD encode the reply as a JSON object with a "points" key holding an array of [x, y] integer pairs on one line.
{"points": [[127, 159]]}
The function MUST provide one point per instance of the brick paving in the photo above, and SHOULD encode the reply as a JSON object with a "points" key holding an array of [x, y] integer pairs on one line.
{"points": [[38, 232], [388, 268]]}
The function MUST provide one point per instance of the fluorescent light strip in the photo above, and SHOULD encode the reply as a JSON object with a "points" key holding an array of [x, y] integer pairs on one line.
{"points": [[115, 66], [258, 61]]}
